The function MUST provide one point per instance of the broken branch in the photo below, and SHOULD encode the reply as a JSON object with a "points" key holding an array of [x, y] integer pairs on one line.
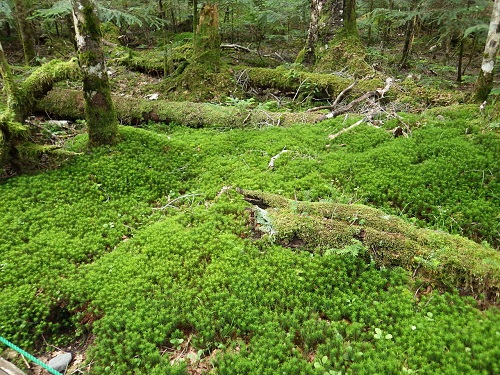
{"points": [[337, 100], [273, 159]]}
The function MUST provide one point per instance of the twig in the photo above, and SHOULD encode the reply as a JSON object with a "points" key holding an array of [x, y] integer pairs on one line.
{"points": [[298, 89], [169, 204], [333, 136], [337, 100], [237, 46], [273, 159]]}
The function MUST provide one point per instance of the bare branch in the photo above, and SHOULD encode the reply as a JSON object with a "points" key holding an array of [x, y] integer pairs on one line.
{"points": [[273, 159], [337, 100]]}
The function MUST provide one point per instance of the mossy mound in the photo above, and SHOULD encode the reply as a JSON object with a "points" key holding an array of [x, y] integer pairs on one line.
{"points": [[343, 54]]}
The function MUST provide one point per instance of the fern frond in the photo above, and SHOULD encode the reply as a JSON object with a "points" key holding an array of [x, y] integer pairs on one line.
{"points": [[59, 9]]}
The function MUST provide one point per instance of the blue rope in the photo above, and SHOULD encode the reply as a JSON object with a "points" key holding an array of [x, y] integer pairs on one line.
{"points": [[29, 356]]}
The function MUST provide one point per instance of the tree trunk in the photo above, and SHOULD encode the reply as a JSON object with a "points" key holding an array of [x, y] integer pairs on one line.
{"points": [[409, 36], [312, 33], [460, 59], [100, 114], [161, 10], [26, 32], [195, 15], [69, 104], [207, 39], [10, 88], [484, 83], [326, 19], [349, 18]]}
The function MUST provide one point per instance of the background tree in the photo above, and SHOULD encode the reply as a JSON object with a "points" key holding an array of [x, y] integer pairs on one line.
{"points": [[484, 82], [100, 113], [207, 38], [26, 31]]}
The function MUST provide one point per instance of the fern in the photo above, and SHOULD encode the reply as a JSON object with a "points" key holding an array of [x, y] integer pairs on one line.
{"points": [[5, 12], [59, 9]]}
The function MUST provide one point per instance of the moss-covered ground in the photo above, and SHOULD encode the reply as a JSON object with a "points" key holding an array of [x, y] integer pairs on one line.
{"points": [[135, 253]]}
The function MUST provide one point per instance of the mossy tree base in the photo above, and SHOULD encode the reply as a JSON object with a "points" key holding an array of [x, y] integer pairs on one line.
{"points": [[100, 113], [444, 260], [344, 53]]}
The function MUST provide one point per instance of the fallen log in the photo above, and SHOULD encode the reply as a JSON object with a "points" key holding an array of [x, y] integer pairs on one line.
{"points": [[439, 259], [288, 82], [69, 104]]}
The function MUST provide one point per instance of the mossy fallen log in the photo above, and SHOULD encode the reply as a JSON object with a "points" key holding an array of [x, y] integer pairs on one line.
{"points": [[297, 82], [69, 104], [438, 258]]}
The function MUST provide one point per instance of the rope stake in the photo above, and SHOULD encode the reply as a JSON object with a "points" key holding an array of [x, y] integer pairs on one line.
{"points": [[29, 356]]}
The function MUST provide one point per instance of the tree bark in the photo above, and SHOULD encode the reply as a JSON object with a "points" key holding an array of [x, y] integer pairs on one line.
{"points": [[409, 36], [99, 110], [312, 32], [484, 83], [207, 39], [26, 32], [10, 88], [349, 18]]}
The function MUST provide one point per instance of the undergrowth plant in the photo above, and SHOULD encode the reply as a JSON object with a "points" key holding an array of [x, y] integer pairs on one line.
{"points": [[141, 247]]}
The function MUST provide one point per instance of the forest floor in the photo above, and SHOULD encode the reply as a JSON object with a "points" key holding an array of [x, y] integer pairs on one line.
{"points": [[145, 257]]}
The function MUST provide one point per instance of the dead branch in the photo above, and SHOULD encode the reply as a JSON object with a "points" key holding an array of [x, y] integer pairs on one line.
{"points": [[333, 136], [377, 94], [337, 100], [273, 159], [237, 47]]}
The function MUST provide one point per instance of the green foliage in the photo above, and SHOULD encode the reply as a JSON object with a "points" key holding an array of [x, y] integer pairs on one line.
{"points": [[98, 247]]}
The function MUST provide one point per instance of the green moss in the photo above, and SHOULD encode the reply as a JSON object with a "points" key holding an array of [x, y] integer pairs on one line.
{"points": [[317, 85], [41, 81], [343, 53], [450, 261]]}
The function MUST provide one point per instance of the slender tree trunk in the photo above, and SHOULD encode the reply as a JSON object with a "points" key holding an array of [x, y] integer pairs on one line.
{"points": [[26, 32], [100, 113], [460, 59], [370, 10], [9, 86], [484, 83], [161, 10], [312, 33], [387, 25], [349, 18], [195, 15], [410, 35]]}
